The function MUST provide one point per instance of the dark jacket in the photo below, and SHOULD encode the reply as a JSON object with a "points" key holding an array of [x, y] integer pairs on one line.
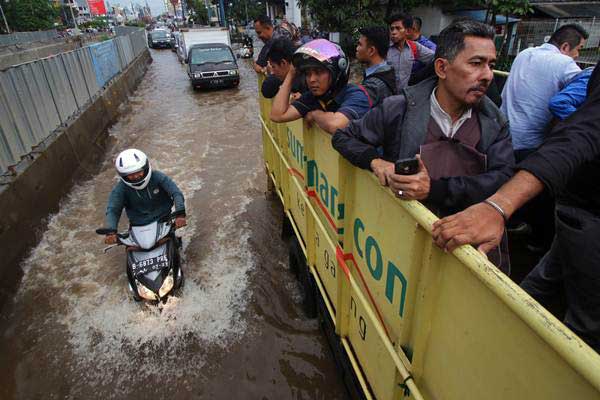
{"points": [[380, 84], [568, 163], [399, 125], [144, 206], [271, 84]]}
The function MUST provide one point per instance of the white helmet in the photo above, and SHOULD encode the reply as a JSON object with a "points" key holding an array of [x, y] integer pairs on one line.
{"points": [[131, 161]]}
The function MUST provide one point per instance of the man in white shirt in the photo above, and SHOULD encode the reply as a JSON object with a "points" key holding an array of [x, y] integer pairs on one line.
{"points": [[536, 75]]}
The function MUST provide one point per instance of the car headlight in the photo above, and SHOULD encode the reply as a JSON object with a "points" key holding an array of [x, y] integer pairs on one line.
{"points": [[167, 285], [198, 75], [233, 72], [145, 293]]}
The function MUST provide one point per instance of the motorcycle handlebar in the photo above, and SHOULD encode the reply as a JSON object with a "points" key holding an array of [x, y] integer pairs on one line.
{"points": [[107, 231]]}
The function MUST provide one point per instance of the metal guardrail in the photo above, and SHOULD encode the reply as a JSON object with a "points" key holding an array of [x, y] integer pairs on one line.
{"points": [[26, 37], [38, 97]]}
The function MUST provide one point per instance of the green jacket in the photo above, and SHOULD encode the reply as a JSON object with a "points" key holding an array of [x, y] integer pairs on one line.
{"points": [[144, 206]]}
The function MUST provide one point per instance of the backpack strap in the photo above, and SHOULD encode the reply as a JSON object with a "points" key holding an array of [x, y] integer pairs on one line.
{"points": [[361, 87], [386, 83], [413, 48]]}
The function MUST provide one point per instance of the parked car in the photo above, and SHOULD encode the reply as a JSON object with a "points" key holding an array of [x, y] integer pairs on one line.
{"points": [[159, 38], [174, 40]]}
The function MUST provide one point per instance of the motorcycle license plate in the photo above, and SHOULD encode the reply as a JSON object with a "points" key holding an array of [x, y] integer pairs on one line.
{"points": [[142, 267]]}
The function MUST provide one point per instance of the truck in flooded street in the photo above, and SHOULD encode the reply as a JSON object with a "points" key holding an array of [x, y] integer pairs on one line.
{"points": [[212, 65], [209, 58]]}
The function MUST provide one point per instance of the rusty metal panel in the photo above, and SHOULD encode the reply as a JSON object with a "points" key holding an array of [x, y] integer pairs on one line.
{"points": [[75, 77], [60, 87]]}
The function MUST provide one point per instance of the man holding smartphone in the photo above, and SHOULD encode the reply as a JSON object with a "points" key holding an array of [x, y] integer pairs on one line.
{"points": [[444, 132]]}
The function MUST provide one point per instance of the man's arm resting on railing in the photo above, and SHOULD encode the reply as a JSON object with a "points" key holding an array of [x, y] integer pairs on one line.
{"points": [[282, 110], [329, 121], [482, 224], [258, 69], [358, 142]]}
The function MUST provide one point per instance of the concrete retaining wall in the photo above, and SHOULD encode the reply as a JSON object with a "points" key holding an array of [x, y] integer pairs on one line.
{"points": [[41, 182], [21, 53]]}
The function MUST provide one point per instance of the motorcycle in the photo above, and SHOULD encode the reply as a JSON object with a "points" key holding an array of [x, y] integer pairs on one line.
{"points": [[153, 263], [246, 51]]}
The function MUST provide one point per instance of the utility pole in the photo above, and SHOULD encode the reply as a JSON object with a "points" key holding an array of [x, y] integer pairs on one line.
{"points": [[71, 3], [4, 18], [223, 21]]}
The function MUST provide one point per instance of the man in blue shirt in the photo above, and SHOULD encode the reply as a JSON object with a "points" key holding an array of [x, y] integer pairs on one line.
{"points": [[330, 102], [379, 78], [536, 75], [415, 35]]}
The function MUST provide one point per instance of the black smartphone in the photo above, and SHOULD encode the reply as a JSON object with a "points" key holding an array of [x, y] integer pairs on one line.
{"points": [[407, 166]]}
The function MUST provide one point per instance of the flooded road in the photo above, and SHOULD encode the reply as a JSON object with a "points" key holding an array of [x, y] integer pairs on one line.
{"points": [[237, 331]]}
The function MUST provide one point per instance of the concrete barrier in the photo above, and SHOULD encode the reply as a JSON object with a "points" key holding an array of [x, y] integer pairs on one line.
{"points": [[45, 176], [26, 52]]}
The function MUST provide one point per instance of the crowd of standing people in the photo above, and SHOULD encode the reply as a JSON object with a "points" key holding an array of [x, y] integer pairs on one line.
{"points": [[478, 156]]}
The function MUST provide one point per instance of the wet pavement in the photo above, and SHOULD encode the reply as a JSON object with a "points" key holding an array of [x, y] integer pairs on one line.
{"points": [[237, 331]]}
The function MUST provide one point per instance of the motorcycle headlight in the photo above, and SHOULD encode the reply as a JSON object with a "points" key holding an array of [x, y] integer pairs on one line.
{"points": [[167, 285], [145, 293]]}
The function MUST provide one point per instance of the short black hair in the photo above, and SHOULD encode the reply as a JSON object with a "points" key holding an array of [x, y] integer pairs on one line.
{"points": [[572, 34], [264, 20], [378, 37], [281, 49], [406, 20], [417, 23], [451, 40]]}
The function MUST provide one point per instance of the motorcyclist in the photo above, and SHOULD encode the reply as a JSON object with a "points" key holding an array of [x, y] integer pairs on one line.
{"points": [[247, 41], [146, 195]]}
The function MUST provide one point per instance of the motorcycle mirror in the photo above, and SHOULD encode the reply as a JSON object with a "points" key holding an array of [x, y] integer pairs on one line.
{"points": [[104, 231]]}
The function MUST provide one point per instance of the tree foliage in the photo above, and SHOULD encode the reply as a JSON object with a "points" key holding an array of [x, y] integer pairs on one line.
{"points": [[236, 10], [30, 15], [344, 16], [198, 12], [97, 22], [347, 16]]}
